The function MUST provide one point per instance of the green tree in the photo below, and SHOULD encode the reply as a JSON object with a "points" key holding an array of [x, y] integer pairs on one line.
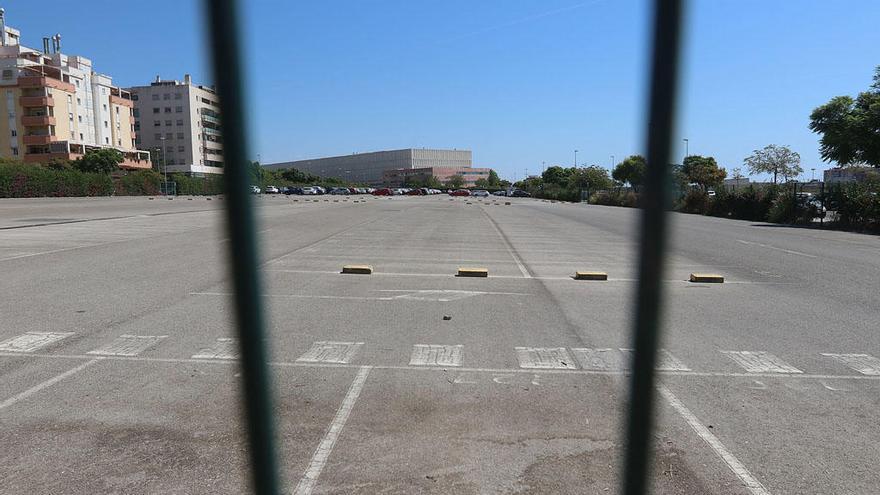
{"points": [[555, 175], [101, 161], [631, 170], [493, 180], [776, 160], [455, 181], [257, 173], [703, 170], [592, 178], [482, 183], [850, 127]]}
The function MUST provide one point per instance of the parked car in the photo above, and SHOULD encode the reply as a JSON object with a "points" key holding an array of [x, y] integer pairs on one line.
{"points": [[519, 193], [460, 192], [293, 190], [255, 190], [309, 191], [481, 193], [319, 190], [340, 191], [272, 190], [501, 192], [383, 192]]}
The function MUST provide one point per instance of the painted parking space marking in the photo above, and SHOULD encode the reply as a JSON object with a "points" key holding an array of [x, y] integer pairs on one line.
{"points": [[46, 384], [32, 341], [331, 352], [223, 348], [128, 345], [545, 358], [435, 355], [600, 359], [760, 362], [665, 360], [863, 363]]}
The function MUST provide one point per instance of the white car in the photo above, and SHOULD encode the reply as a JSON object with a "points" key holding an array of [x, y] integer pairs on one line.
{"points": [[271, 190], [255, 190], [480, 193], [309, 191]]}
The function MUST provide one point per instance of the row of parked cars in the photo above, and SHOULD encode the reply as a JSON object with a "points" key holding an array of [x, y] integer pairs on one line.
{"points": [[386, 191]]}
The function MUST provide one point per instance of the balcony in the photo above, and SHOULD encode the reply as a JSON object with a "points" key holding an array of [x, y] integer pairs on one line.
{"points": [[211, 132], [38, 139], [37, 120], [48, 157], [37, 101], [45, 82], [208, 118]]}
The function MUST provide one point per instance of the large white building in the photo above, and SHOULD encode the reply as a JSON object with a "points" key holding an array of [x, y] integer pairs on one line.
{"points": [[180, 122]]}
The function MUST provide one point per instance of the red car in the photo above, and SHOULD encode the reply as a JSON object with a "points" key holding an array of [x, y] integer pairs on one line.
{"points": [[383, 192], [416, 192], [460, 192]]}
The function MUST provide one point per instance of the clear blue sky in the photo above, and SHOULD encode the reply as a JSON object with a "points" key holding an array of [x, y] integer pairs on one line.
{"points": [[516, 82]]}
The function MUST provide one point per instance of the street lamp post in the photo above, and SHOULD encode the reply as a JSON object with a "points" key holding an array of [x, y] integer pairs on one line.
{"points": [[686, 151], [575, 158], [612, 162], [164, 164], [813, 176]]}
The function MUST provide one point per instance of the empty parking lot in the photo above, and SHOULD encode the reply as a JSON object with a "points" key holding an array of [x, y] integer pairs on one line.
{"points": [[119, 366]]}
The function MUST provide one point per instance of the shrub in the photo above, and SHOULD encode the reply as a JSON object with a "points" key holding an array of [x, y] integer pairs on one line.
{"points": [[20, 180], [140, 183]]}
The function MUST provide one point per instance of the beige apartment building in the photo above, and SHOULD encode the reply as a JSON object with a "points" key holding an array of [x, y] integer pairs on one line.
{"points": [[58, 107], [180, 122]]}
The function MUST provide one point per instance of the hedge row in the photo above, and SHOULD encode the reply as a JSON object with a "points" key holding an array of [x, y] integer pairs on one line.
{"points": [[19, 180]]}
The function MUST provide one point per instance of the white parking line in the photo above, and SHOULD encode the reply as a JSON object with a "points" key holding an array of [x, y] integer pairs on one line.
{"points": [[545, 358], [750, 482], [435, 355], [600, 359], [322, 453], [331, 352], [789, 251], [128, 345], [863, 363], [760, 362], [31, 341], [48, 383], [509, 246], [224, 348], [665, 360]]}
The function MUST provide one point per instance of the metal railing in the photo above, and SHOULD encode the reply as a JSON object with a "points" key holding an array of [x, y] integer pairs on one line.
{"points": [[224, 39]]}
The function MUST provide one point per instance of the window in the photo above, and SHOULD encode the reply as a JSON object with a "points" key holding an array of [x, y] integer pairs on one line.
{"points": [[119, 141], [157, 123], [106, 140], [7, 73], [158, 135], [178, 109], [155, 97], [179, 135], [179, 121], [80, 117], [80, 136], [134, 97], [167, 109], [135, 112], [177, 96], [117, 110], [105, 107], [105, 124], [168, 123], [169, 135], [166, 96], [69, 100], [77, 84], [14, 133], [181, 149], [70, 116], [15, 151], [156, 110], [78, 101], [103, 91], [171, 161], [72, 136]]}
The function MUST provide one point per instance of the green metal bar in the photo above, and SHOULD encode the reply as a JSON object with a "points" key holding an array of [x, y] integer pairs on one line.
{"points": [[654, 202], [225, 53]]}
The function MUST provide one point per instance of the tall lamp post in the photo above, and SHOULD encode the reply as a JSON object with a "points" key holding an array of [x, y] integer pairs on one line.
{"points": [[686, 151], [575, 158], [612, 162], [164, 165]]}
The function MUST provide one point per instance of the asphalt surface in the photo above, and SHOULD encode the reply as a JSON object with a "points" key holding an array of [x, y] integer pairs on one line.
{"points": [[118, 375]]}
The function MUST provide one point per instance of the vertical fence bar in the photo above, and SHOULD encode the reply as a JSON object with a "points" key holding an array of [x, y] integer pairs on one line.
{"points": [[225, 53], [654, 198]]}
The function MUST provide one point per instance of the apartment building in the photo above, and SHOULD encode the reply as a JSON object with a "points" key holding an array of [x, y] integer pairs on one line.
{"points": [[180, 123], [58, 107]]}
